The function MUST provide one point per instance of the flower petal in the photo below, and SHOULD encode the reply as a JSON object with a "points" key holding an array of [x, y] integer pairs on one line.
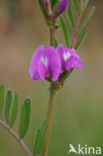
{"points": [[61, 49], [63, 6], [77, 62], [68, 63], [54, 64], [42, 70], [69, 58], [33, 70]]}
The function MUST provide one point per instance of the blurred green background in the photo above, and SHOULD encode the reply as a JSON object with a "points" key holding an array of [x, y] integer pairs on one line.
{"points": [[78, 113]]}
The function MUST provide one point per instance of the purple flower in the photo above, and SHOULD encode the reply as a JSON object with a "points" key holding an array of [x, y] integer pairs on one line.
{"points": [[45, 63], [69, 58], [63, 6]]}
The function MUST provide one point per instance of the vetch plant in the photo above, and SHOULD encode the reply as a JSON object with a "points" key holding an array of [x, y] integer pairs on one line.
{"points": [[53, 63]]}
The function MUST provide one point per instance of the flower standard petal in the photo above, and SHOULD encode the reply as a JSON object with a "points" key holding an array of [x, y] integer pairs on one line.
{"points": [[61, 50], [54, 64], [33, 70]]}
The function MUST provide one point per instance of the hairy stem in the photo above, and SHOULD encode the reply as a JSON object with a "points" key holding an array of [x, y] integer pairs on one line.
{"points": [[16, 137], [51, 104], [76, 25]]}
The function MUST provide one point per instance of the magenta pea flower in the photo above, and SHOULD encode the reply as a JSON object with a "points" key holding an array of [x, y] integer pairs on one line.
{"points": [[69, 58], [63, 6], [45, 63]]}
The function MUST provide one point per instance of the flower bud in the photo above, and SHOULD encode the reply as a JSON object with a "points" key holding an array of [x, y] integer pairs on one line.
{"points": [[63, 6]]}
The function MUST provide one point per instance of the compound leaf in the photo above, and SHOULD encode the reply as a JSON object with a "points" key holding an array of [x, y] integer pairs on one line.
{"points": [[64, 31], [86, 19], [75, 4], [84, 6], [81, 38]]}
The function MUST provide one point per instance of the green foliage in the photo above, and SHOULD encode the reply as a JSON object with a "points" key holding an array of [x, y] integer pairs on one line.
{"points": [[13, 110], [71, 20], [42, 135], [24, 118], [86, 19], [81, 38], [70, 17], [39, 140], [54, 3], [64, 31], [8, 105], [77, 34], [67, 74], [84, 6], [37, 143], [41, 5], [75, 4], [1, 97], [56, 43]]}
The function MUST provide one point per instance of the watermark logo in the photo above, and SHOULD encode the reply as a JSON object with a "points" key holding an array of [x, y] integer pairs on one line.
{"points": [[84, 150]]}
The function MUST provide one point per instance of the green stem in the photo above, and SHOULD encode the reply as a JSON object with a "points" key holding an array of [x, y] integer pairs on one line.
{"points": [[52, 34], [51, 104], [49, 119]]}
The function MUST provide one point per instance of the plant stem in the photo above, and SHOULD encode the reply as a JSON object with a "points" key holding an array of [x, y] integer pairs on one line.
{"points": [[76, 25], [51, 103], [52, 34], [16, 137], [49, 119]]}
